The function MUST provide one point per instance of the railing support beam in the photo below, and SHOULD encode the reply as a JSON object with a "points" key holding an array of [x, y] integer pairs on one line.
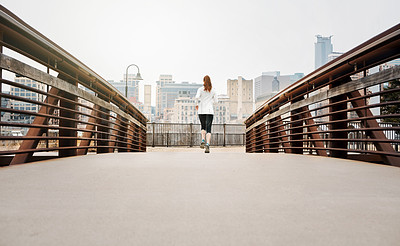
{"points": [[372, 123], [67, 123], [35, 132]]}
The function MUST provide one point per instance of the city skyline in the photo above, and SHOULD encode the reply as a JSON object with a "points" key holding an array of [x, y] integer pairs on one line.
{"points": [[224, 39]]}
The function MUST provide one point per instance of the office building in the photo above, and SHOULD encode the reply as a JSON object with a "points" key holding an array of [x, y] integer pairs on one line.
{"points": [[221, 110], [270, 83], [5, 103], [20, 105], [163, 79], [323, 47], [133, 87], [168, 91], [240, 93], [332, 56], [147, 102], [185, 111]]}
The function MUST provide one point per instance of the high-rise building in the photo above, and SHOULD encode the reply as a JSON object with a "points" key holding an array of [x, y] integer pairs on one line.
{"points": [[133, 87], [323, 47], [168, 91], [221, 110], [20, 105], [270, 83], [147, 102], [164, 79], [332, 56], [240, 93]]}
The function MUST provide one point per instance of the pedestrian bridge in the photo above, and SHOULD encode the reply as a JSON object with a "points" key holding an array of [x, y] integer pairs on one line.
{"points": [[306, 175], [185, 197]]}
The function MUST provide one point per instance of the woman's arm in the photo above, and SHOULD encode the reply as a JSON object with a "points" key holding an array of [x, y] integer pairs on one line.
{"points": [[197, 98], [215, 98]]}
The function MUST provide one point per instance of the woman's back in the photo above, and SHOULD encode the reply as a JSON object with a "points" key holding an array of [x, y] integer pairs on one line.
{"points": [[206, 100]]}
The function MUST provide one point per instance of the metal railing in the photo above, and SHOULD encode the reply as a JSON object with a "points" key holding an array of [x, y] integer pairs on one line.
{"points": [[338, 110], [181, 134], [74, 111]]}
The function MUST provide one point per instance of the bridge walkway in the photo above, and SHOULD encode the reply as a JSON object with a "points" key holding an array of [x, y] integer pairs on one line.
{"points": [[186, 197]]}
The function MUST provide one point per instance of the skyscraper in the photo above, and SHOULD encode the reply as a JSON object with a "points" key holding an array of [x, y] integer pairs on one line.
{"points": [[164, 79], [323, 47], [147, 102], [240, 93]]}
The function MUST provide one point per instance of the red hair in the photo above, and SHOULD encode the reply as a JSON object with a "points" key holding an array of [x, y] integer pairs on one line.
{"points": [[207, 83]]}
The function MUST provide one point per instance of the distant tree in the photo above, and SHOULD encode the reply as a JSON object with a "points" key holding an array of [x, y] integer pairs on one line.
{"points": [[391, 108]]}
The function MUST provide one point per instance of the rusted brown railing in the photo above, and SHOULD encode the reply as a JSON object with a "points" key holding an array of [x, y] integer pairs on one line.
{"points": [[76, 110], [339, 110]]}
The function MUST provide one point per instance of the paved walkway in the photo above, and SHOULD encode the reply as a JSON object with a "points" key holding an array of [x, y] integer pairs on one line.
{"points": [[190, 198]]}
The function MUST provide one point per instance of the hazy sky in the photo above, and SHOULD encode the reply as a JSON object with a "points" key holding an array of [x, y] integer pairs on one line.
{"points": [[189, 39]]}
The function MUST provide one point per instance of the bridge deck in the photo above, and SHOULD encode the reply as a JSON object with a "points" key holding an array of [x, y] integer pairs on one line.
{"points": [[185, 198]]}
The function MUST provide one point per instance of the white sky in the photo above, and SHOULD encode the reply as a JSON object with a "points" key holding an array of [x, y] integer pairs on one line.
{"points": [[189, 39]]}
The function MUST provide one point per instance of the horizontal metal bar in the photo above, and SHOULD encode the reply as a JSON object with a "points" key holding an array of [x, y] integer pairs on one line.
{"points": [[24, 125], [328, 131], [44, 44], [381, 153], [11, 152], [371, 80], [111, 127], [46, 94], [390, 36], [13, 65], [341, 102]]}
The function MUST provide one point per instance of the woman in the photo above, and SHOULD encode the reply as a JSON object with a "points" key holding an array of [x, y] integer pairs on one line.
{"points": [[205, 98]]}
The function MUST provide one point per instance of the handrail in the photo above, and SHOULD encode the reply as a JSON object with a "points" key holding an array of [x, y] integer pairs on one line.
{"points": [[86, 76], [113, 123], [332, 96], [350, 58]]}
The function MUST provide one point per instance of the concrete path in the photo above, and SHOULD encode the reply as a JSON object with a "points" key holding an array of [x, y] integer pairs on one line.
{"points": [[190, 198]]}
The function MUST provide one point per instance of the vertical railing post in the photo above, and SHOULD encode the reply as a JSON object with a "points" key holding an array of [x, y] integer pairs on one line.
{"points": [[67, 111], [122, 134], [273, 123], [264, 137], [154, 133], [258, 145], [296, 122], [129, 134], [191, 134], [224, 134], [1, 76], [103, 131], [339, 103], [144, 142]]}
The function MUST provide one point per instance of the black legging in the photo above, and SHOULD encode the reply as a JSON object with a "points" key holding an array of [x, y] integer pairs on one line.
{"points": [[206, 122]]}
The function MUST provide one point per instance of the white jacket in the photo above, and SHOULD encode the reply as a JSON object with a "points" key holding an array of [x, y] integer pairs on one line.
{"points": [[205, 100]]}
